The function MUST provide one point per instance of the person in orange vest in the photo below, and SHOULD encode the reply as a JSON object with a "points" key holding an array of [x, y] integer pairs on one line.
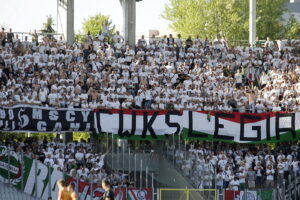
{"points": [[72, 192], [63, 193]]}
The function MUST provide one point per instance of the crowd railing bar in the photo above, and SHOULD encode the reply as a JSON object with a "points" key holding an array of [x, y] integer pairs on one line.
{"points": [[135, 170], [129, 167], [22, 170], [8, 166], [77, 183], [118, 157], [112, 151], [35, 177], [146, 176], [152, 185], [123, 154], [49, 184], [91, 189], [141, 174]]}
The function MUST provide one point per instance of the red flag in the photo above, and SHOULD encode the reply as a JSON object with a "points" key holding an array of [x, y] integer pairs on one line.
{"points": [[232, 195]]}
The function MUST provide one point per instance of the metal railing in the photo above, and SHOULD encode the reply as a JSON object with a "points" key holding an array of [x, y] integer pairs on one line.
{"points": [[31, 176], [287, 188], [22, 35]]}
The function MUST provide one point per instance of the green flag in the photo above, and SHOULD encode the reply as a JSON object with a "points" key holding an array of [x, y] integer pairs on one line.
{"points": [[265, 194]]}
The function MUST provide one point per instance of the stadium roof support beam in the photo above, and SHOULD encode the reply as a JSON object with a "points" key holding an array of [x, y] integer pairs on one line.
{"points": [[129, 20], [70, 21], [252, 22], [66, 19]]}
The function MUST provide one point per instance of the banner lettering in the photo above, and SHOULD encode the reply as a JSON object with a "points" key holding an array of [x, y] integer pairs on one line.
{"points": [[156, 124]]}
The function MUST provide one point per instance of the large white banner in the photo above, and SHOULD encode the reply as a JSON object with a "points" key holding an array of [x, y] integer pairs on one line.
{"points": [[237, 127], [154, 124]]}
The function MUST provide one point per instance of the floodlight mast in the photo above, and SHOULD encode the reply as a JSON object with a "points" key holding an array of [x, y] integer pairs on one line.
{"points": [[252, 22]]}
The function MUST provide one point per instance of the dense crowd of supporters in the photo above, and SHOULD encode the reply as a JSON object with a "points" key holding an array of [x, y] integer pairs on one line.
{"points": [[78, 160], [236, 167], [159, 73], [207, 165]]}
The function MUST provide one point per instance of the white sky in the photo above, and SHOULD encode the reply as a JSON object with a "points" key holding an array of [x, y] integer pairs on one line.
{"points": [[27, 15]]}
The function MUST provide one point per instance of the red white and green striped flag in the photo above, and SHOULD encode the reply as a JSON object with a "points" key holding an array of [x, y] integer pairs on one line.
{"points": [[136, 194]]}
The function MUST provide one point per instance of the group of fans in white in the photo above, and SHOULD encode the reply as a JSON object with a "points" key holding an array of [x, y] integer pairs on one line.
{"points": [[78, 160], [239, 166], [161, 73], [207, 165]]}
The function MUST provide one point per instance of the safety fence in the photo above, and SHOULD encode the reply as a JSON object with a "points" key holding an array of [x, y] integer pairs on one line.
{"points": [[29, 36], [285, 187], [39, 180], [188, 194], [288, 193]]}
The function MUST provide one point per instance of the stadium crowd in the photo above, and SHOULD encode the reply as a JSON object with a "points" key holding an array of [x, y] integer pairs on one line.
{"points": [[161, 73], [236, 167], [78, 160], [227, 166]]}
